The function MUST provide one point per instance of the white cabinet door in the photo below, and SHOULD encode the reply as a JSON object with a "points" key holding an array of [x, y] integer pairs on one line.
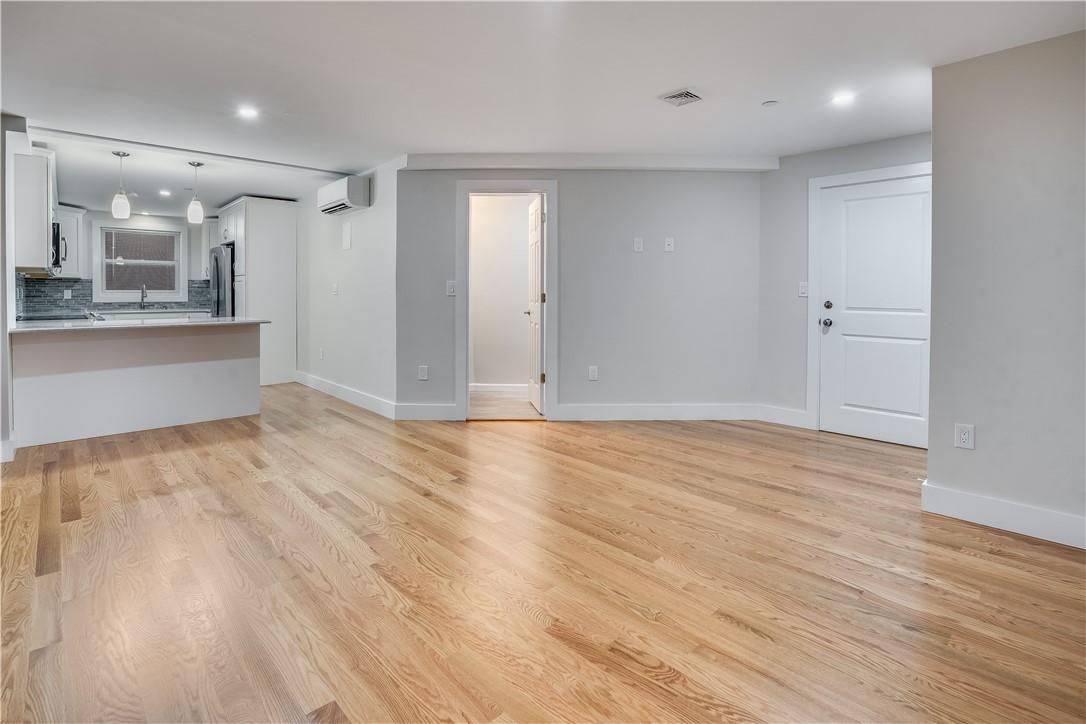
{"points": [[239, 296], [226, 222], [31, 212], [71, 241], [876, 284], [239, 238], [208, 238]]}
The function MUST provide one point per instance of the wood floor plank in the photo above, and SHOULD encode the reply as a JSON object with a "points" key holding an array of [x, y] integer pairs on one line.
{"points": [[318, 563]]}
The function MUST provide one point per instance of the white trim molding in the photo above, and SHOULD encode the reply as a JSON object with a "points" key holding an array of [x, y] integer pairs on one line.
{"points": [[7, 448], [815, 186], [588, 162], [487, 387], [1044, 523], [572, 411], [428, 411], [365, 400]]}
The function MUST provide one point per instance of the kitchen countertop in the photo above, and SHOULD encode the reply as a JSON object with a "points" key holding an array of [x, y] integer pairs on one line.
{"points": [[67, 325]]}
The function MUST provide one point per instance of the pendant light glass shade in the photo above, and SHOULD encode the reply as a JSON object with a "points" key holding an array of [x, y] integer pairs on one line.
{"points": [[196, 209], [120, 208]]}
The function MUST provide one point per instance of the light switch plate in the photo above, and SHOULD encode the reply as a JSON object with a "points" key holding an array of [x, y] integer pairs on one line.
{"points": [[450, 289], [335, 288], [346, 235], [424, 372], [593, 373], [803, 289], [639, 244], [669, 244]]}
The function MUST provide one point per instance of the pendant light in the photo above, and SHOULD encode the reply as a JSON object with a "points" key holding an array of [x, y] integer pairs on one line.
{"points": [[120, 207], [196, 209]]}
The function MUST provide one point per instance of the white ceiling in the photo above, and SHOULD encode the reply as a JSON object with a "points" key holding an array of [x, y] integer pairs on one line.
{"points": [[87, 176], [348, 85]]}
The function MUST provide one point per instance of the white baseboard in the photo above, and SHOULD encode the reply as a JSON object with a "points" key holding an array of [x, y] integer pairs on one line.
{"points": [[652, 411], [427, 411], [683, 411], [7, 449], [1051, 525], [791, 416], [366, 401], [488, 387]]}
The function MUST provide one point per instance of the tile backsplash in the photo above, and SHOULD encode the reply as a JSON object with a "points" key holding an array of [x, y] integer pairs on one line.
{"points": [[46, 296]]}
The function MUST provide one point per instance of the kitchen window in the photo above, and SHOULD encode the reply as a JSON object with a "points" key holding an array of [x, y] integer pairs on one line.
{"points": [[130, 259]]}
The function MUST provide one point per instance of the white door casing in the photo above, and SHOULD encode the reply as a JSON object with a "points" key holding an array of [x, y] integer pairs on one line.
{"points": [[535, 307], [875, 271]]}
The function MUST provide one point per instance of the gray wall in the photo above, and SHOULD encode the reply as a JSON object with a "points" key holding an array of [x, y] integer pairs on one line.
{"points": [[357, 326], [1007, 348], [782, 329], [663, 328]]}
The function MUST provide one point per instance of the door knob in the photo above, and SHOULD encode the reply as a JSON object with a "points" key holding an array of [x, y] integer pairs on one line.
{"points": [[827, 322], [827, 304], [528, 311]]}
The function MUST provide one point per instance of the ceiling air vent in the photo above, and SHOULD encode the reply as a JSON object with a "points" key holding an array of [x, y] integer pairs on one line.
{"points": [[681, 97]]}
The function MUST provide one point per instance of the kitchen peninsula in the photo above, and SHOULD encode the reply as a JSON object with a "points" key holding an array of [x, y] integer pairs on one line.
{"points": [[84, 378]]}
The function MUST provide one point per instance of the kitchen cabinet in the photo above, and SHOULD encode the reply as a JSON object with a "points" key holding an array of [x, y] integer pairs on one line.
{"points": [[209, 237], [239, 297], [71, 241], [264, 233], [31, 213]]}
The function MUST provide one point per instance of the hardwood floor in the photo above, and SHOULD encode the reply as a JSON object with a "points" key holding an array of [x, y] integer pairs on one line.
{"points": [[320, 563], [501, 406]]}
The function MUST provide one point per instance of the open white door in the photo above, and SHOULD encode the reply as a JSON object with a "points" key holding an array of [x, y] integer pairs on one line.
{"points": [[535, 298], [875, 306]]}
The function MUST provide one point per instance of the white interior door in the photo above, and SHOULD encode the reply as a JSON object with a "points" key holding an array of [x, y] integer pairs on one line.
{"points": [[875, 306], [535, 309]]}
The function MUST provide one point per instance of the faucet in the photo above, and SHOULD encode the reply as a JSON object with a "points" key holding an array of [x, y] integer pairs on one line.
{"points": [[143, 296]]}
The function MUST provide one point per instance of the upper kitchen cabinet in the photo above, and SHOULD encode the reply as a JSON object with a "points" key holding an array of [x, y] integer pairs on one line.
{"points": [[31, 196], [71, 241], [209, 236], [232, 221]]}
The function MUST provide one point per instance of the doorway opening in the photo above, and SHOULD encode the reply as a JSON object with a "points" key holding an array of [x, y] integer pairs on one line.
{"points": [[505, 306]]}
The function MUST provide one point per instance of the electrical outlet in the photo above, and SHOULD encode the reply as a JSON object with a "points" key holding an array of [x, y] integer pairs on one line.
{"points": [[320, 351], [803, 289], [593, 373], [67, 293], [639, 244], [669, 244], [450, 288], [424, 372], [964, 436], [335, 288]]}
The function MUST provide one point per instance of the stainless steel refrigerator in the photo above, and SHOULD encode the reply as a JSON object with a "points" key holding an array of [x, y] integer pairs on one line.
{"points": [[221, 274]]}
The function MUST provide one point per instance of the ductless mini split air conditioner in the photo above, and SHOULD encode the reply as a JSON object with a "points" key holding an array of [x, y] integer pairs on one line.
{"points": [[347, 194]]}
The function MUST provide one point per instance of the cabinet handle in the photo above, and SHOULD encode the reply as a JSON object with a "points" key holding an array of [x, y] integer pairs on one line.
{"points": [[64, 256]]}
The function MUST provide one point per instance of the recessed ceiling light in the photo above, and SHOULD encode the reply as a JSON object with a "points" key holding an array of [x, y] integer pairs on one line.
{"points": [[843, 98], [247, 112], [769, 103], [163, 192]]}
